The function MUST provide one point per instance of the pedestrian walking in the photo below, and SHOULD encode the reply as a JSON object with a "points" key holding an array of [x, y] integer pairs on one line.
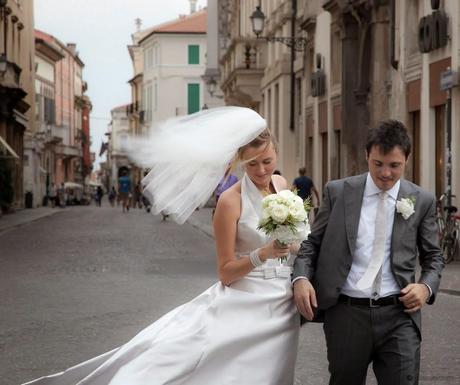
{"points": [[358, 266], [99, 194], [229, 333], [112, 196], [137, 196], [124, 190], [53, 194], [305, 187], [62, 195]]}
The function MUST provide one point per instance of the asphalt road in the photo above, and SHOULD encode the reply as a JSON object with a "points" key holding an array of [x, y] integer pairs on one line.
{"points": [[85, 280]]}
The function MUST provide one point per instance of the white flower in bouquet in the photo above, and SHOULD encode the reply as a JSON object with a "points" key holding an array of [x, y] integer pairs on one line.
{"points": [[285, 217]]}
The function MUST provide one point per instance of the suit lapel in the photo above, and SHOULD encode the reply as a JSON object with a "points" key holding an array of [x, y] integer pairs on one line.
{"points": [[353, 198], [400, 224]]}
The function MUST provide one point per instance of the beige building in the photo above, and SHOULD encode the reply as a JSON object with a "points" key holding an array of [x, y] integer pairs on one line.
{"points": [[212, 96], [16, 97], [117, 158], [363, 61], [174, 57], [47, 55]]}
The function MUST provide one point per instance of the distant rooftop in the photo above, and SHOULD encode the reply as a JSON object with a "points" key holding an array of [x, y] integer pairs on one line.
{"points": [[194, 23]]}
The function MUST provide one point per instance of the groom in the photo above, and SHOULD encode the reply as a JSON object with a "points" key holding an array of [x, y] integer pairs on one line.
{"points": [[357, 266]]}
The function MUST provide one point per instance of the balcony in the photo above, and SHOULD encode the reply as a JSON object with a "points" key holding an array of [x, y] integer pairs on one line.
{"points": [[68, 151]]}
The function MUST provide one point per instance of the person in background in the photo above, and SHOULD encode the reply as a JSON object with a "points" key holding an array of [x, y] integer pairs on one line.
{"points": [[62, 195], [137, 194], [112, 196], [226, 182], [53, 194], [305, 187], [124, 190], [99, 194], [277, 172]]}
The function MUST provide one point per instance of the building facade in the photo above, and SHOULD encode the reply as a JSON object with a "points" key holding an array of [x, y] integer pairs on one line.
{"points": [[69, 115], [47, 54], [174, 57], [61, 152], [362, 61], [117, 158], [16, 97]]}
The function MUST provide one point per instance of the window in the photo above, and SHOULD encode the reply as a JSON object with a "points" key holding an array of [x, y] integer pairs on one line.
{"points": [[49, 111], [148, 58], [147, 102], [193, 93], [193, 54], [155, 96]]}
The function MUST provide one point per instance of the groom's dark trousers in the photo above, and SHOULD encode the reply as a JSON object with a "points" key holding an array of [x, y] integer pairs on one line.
{"points": [[357, 333]]}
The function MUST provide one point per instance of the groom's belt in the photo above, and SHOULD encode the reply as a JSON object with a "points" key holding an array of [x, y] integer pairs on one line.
{"points": [[370, 302]]}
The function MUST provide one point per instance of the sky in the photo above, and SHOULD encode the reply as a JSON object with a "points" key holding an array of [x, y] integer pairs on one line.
{"points": [[102, 31]]}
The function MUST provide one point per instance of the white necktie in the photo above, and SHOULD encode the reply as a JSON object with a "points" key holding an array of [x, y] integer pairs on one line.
{"points": [[378, 246]]}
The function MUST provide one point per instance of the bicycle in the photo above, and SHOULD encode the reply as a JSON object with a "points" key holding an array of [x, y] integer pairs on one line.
{"points": [[448, 225]]}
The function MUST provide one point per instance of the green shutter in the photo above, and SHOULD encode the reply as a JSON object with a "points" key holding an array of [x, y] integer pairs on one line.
{"points": [[193, 97], [193, 54]]}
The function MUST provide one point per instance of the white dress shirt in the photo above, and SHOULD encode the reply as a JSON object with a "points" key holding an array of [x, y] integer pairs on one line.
{"points": [[365, 240]]}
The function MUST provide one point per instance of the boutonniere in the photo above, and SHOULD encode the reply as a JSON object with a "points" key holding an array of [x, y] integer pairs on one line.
{"points": [[405, 206]]}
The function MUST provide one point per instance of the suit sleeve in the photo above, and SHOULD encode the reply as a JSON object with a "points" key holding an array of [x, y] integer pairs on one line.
{"points": [[305, 263], [430, 254]]}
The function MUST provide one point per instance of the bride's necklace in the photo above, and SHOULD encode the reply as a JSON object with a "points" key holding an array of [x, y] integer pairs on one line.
{"points": [[266, 191]]}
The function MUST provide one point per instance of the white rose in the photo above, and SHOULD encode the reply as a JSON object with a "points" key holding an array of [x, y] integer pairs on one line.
{"points": [[269, 199], [287, 194], [298, 212], [405, 207], [279, 212]]}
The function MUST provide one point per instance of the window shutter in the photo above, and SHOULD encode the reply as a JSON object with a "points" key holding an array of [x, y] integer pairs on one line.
{"points": [[193, 97], [193, 54]]}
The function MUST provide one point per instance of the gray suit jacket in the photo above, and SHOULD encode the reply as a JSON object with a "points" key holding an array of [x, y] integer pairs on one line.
{"points": [[325, 257]]}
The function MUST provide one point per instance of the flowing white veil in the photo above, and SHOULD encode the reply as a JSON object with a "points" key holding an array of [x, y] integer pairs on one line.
{"points": [[188, 156]]}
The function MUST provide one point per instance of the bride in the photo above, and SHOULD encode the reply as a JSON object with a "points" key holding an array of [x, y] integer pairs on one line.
{"points": [[244, 329]]}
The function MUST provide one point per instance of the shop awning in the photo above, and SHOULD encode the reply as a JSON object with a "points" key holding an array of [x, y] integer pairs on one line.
{"points": [[5, 145]]}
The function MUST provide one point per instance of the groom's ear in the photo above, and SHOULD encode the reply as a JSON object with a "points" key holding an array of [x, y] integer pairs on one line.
{"points": [[367, 155]]}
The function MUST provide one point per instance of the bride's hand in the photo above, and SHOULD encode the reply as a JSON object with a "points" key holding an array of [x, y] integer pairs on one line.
{"points": [[273, 250], [294, 248]]}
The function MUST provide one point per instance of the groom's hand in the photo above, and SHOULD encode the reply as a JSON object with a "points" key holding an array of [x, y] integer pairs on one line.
{"points": [[414, 296], [305, 298]]}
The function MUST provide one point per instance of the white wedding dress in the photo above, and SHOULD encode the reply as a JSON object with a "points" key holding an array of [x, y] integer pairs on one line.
{"points": [[243, 334]]}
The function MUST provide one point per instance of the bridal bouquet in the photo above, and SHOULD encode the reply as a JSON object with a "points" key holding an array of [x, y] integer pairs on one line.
{"points": [[285, 217]]}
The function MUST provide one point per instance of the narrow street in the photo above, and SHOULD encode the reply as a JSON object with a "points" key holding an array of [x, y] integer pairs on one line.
{"points": [[87, 279]]}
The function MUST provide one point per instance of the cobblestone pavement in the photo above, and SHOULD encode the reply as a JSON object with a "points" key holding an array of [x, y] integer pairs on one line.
{"points": [[81, 282]]}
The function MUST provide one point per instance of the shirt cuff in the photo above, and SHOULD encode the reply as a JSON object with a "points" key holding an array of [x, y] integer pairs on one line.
{"points": [[298, 278], [429, 289]]}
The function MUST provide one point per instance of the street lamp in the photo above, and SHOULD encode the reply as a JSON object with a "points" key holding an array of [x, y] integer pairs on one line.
{"points": [[211, 85], [258, 21], [295, 43]]}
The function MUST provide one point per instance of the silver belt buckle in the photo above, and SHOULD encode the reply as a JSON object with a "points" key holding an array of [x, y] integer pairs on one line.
{"points": [[372, 304]]}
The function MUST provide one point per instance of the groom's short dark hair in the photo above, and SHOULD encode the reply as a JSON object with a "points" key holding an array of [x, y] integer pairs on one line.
{"points": [[387, 135]]}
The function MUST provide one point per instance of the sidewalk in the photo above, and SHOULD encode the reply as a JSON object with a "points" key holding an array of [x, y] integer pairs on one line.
{"points": [[450, 282], [25, 216]]}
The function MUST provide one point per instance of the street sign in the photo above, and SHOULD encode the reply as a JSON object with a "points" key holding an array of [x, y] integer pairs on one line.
{"points": [[448, 79]]}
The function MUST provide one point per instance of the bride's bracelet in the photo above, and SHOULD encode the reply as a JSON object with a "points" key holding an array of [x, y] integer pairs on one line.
{"points": [[254, 258]]}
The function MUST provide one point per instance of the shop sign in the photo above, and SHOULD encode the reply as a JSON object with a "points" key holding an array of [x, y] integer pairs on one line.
{"points": [[432, 31]]}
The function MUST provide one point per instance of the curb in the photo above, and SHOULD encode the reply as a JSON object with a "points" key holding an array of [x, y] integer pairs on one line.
{"points": [[7, 227]]}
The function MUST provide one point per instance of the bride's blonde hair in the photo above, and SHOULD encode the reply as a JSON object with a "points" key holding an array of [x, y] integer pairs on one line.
{"points": [[265, 138]]}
